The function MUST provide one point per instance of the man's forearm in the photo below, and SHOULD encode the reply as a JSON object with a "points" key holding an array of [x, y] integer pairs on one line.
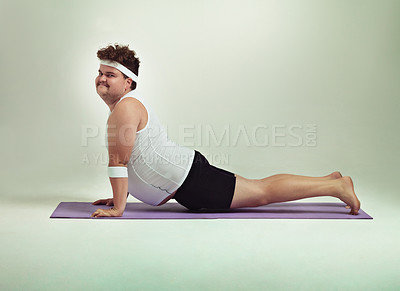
{"points": [[120, 189]]}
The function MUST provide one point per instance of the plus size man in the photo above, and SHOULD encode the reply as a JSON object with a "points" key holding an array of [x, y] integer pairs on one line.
{"points": [[146, 164]]}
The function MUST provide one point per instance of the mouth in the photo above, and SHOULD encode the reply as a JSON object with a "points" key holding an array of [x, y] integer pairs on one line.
{"points": [[99, 85]]}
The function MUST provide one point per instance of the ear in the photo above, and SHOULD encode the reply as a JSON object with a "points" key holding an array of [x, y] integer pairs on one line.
{"points": [[128, 83]]}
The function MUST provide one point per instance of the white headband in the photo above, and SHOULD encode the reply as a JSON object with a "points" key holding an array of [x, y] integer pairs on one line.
{"points": [[120, 68]]}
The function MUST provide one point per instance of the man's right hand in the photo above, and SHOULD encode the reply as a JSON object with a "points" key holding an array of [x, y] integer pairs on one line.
{"points": [[107, 202]]}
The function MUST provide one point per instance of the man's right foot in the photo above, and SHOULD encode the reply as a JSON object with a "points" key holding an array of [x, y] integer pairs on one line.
{"points": [[348, 195]]}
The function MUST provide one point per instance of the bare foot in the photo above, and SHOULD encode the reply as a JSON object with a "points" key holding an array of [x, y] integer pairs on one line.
{"points": [[352, 185], [335, 175], [348, 196]]}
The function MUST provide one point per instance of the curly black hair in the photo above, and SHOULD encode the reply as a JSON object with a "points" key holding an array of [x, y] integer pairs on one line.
{"points": [[123, 55]]}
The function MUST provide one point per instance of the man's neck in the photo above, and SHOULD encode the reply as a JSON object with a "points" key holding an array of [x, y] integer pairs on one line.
{"points": [[115, 101]]}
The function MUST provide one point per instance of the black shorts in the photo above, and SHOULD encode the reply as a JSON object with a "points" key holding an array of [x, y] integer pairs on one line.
{"points": [[206, 186]]}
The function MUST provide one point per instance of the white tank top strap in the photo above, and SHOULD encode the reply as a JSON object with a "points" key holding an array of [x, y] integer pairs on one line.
{"points": [[134, 94]]}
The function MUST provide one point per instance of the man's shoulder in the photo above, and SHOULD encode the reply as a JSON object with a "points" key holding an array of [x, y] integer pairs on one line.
{"points": [[128, 110], [130, 101], [129, 105]]}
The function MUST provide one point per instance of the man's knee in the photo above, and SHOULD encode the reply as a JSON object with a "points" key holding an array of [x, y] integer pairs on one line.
{"points": [[249, 193]]}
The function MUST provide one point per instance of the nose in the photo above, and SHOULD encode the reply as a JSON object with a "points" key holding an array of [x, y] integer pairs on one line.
{"points": [[102, 78]]}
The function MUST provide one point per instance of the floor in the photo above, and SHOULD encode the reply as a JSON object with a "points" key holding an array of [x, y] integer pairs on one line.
{"points": [[39, 253]]}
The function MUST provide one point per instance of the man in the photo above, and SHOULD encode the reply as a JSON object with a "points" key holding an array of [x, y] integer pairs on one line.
{"points": [[146, 164]]}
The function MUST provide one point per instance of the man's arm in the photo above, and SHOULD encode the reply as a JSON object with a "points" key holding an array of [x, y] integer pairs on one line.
{"points": [[122, 126]]}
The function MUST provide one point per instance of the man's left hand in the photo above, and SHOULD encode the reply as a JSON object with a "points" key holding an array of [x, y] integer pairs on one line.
{"points": [[106, 213]]}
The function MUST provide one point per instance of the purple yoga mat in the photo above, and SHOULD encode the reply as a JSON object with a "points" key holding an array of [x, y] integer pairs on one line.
{"points": [[287, 210]]}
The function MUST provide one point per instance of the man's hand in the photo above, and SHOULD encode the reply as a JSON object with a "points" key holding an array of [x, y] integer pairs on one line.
{"points": [[112, 212], [107, 202]]}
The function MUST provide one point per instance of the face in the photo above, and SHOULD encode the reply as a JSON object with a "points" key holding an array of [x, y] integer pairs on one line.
{"points": [[111, 84]]}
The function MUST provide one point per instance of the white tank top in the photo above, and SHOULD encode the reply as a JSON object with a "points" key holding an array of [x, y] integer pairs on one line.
{"points": [[157, 166]]}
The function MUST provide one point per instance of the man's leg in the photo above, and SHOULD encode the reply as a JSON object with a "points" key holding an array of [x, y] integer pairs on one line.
{"points": [[285, 187]]}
